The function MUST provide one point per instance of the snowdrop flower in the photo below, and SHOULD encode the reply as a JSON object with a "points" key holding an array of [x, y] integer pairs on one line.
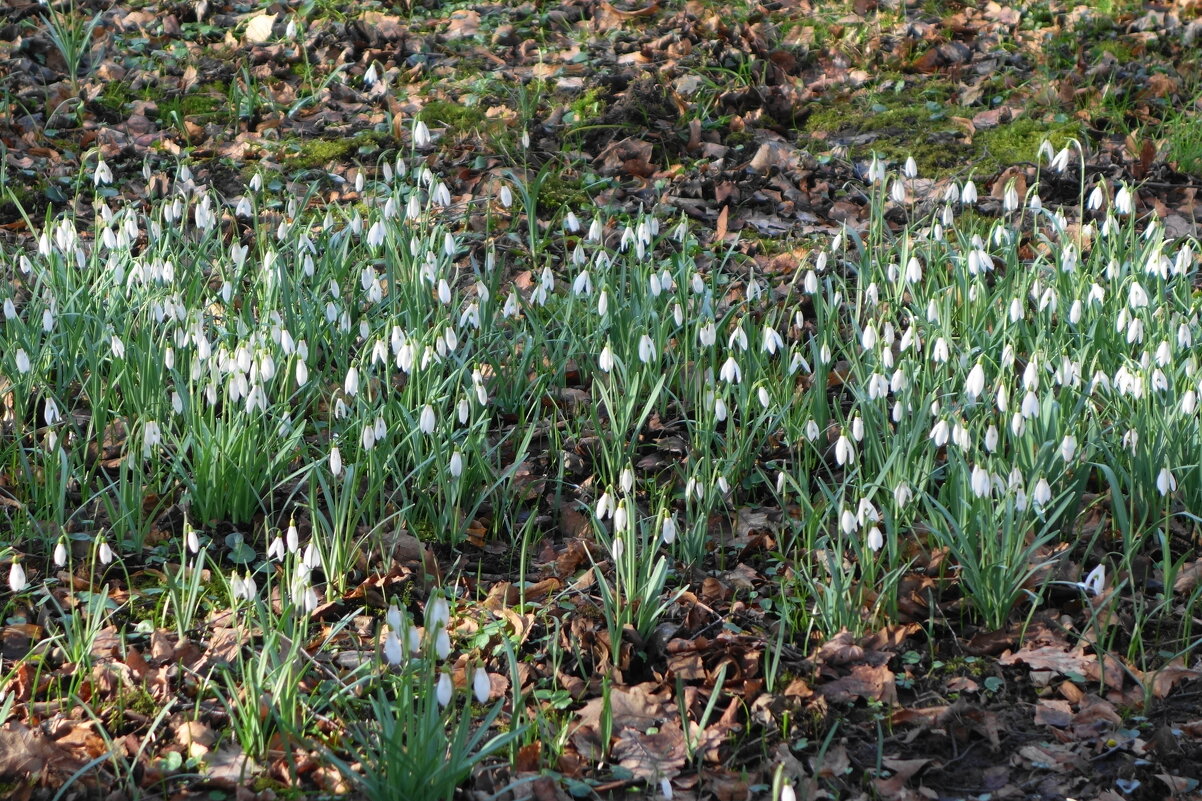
{"points": [[481, 686], [1060, 162], [1124, 203], [772, 340], [646, 349], [583, 285], [102, 174], [731, 373], [421, 135], [1165, 481], [350, 384], [940, 432], [23, 365], [1042, 493], [606, 360], [335, 461], [16, 577], [968, 195], [975, 383], [897, 192], [910, 169], [847, 521], [1010, 198], [844, 451], [426, 421], [991, 439], [1095, 582], [369, 78], [394, 650], [876, 540], [667, 529], [442, 644], [438, 613], [1068, 447], [506, 196], [444, 689], [902, 495], [1095, 198], [980, 481], [787, 793], [456, 466], [857, 428]]}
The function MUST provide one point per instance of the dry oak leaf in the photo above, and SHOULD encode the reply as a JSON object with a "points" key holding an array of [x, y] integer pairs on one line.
{"points": [[651, 757], [24, 752]]}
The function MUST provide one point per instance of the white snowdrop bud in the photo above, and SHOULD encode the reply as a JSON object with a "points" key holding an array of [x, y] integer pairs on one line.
{"points": [[16, 577], [427, 420], [481, 685], [444, 689]]}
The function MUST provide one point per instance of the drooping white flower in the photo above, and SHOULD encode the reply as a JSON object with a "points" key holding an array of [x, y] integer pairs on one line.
{"points": [[606, 360], [60, 554], [421, 135], [102, 174], [394, 650], [444, 689], [646, 349], [731, 373], [1095, 582], [772, 340], [845, 452], [974, 385], [16, 577], [1124, 203], [1068, 447], [1166, 482], [481, 686], [442, 644], [1042, 493], [668, 529], [427, 420]]}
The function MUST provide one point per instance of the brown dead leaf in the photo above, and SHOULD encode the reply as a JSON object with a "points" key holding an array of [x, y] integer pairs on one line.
{"points": [[25, 752], [651, 757]]}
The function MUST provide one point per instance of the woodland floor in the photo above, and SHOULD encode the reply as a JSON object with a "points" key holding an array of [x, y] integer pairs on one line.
{"points": [[758, 122]]}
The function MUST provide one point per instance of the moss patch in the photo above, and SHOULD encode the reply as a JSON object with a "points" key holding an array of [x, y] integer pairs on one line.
{"points": [[457, 118], [309, 154], [201, 104], [919, 122], [1019, 141]]}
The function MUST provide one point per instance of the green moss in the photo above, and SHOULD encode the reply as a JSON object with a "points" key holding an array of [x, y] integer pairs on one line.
{"points": [[918, 121], [588, 106], [308, 154], [1123, 52], [115, 96], [558, 191], [456, 118], [201, 102], [1019, 141]]}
